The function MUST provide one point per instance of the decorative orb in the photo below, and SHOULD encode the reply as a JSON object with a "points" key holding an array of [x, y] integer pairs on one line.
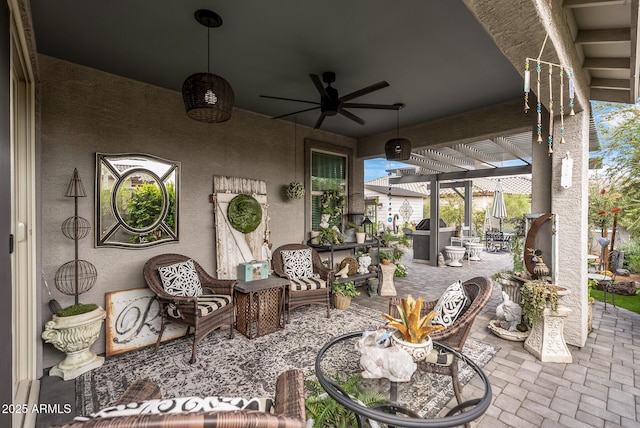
{"points": [[76, 227], [353, 265], [65, 279], [244, 213]]}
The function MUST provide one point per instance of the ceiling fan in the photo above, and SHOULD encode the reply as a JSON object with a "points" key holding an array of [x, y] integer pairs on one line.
{"points": [[331, 104]]}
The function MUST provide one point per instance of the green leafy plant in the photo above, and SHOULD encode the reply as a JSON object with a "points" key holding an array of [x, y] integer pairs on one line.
{"points": [[401, 271], [413, 327], [347, 288], [331, 235], [385, 255], [535, 295], [326, 412]]}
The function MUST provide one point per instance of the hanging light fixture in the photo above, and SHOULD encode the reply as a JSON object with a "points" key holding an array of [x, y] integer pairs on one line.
{"points": [[398, 148], [207, 96]]}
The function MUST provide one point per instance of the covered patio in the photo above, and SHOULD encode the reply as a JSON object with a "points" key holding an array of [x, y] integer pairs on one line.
{"points": [[119, 93]]}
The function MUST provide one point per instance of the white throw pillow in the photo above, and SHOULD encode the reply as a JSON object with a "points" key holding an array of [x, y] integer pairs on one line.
{"points": [[450, 305], [298, 263], [181, 279]]}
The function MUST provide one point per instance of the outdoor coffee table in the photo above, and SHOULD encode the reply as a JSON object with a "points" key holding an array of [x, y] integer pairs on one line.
{"points": [[260, 306], [421, 402]]}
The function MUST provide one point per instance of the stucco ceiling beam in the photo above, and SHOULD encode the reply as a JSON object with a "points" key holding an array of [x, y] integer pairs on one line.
{"points": [[611, 35], [536, 20], [516, 151], [612, 96], [607, 64], [574, 4], [619, 84]]}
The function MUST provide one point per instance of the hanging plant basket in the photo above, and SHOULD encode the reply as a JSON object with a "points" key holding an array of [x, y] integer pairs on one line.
{"points": [[294, 190]]}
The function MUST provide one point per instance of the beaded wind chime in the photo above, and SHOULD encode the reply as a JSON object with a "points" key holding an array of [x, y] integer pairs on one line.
{"points": [[561, 70]]}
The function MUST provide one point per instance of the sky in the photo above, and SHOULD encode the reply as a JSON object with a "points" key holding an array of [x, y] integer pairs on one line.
{"points": [[376, 168]]}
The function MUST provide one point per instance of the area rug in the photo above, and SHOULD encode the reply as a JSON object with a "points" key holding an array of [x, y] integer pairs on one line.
{"points": [[236, 367]]}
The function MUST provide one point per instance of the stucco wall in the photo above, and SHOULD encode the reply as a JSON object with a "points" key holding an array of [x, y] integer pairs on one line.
{"points": [[85, 111]]}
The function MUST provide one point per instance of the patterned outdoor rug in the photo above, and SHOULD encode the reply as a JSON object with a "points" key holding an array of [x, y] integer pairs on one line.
{"points": [[236, 367]]}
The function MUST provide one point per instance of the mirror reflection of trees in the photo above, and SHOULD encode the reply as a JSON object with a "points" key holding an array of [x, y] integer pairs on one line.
{"points": [[138, 200]]}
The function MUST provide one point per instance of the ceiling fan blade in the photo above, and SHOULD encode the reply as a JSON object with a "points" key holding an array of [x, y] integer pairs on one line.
{"points": [[289, 99], [320, 120], [295, 112], [374, 106], [351, 116], [364, 91], [316, 81]]}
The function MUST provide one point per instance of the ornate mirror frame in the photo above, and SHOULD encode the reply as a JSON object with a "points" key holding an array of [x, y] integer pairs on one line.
{"points": [[136, 200]]}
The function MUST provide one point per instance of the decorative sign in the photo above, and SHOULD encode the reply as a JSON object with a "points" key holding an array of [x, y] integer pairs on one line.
{"points": [[134, 320]]}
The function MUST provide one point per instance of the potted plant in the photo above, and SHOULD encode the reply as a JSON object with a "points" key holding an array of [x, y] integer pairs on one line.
{"points": [[536, 295], [413, 330], [343, 292], [324, 411], [385, 256]]}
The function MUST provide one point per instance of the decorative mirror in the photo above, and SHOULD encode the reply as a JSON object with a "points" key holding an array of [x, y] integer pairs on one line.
{"points": [[136, 200]]}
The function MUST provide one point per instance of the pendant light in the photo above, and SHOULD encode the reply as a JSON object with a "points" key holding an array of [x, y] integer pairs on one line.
{"points": [[207, 96], [398, 148]]}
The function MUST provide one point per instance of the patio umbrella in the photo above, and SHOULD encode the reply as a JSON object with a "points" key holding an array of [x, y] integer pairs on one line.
{"points": [[499, 210]]}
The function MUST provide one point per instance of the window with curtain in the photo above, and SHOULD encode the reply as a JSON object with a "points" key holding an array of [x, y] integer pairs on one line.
{"points": [[328, 172]]}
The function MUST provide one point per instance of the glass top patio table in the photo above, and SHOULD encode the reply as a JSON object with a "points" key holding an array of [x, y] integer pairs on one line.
{"points": [[427, 400]]}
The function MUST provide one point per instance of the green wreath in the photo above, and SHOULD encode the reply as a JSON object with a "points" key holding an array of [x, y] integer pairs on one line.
{"points": [[245, 213]]}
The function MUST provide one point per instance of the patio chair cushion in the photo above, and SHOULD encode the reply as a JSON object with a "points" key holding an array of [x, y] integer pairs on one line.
{"points": [[302, 284], [207, 303], [297, 263], [181, 279], [183, 404], [451, 305]]}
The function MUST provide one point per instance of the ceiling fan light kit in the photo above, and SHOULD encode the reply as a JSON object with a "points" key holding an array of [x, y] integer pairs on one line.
{"points": [[332, 104], [207, 96]]}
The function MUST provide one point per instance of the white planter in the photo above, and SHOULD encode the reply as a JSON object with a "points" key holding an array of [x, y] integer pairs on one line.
{"points": [[360, 236], [74, 336], [363, 264], [546, 340], [418, 351]]}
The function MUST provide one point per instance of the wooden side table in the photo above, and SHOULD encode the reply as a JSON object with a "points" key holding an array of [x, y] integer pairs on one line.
{"points": [[260, 306]]}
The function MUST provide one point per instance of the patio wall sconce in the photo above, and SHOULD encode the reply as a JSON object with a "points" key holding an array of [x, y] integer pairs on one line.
{"points": [[398, 148], [207, 96]]}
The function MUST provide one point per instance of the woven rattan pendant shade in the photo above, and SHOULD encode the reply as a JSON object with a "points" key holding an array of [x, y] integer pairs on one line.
{"points": [[207, 96], [398, 148]]}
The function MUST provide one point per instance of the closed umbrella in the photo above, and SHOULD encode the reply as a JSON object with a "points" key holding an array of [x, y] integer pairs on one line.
{"points": [[499, 210]]}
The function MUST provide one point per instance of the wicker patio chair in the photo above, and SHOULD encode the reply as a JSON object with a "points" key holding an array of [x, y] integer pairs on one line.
{"points": [[289, 410], [301, 292], [195, 312], [479, 290]]}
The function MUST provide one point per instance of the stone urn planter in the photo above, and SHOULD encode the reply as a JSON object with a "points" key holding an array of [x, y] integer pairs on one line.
{"points": [[418, 351], [74, 335]]}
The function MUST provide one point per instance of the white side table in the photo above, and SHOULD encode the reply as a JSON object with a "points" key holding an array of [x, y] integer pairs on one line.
{"points": [[387, 288]]}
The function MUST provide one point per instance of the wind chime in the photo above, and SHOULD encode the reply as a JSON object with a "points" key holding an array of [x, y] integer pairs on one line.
{"points": [[561, 70]]}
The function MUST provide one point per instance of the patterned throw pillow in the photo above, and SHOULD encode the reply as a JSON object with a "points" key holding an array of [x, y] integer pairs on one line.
{"points": [[183, 404], [450, 305], [297, 263], [181, 279]]}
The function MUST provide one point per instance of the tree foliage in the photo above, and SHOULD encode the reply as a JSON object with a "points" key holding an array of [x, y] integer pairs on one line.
{"points": [[619, 127]]}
